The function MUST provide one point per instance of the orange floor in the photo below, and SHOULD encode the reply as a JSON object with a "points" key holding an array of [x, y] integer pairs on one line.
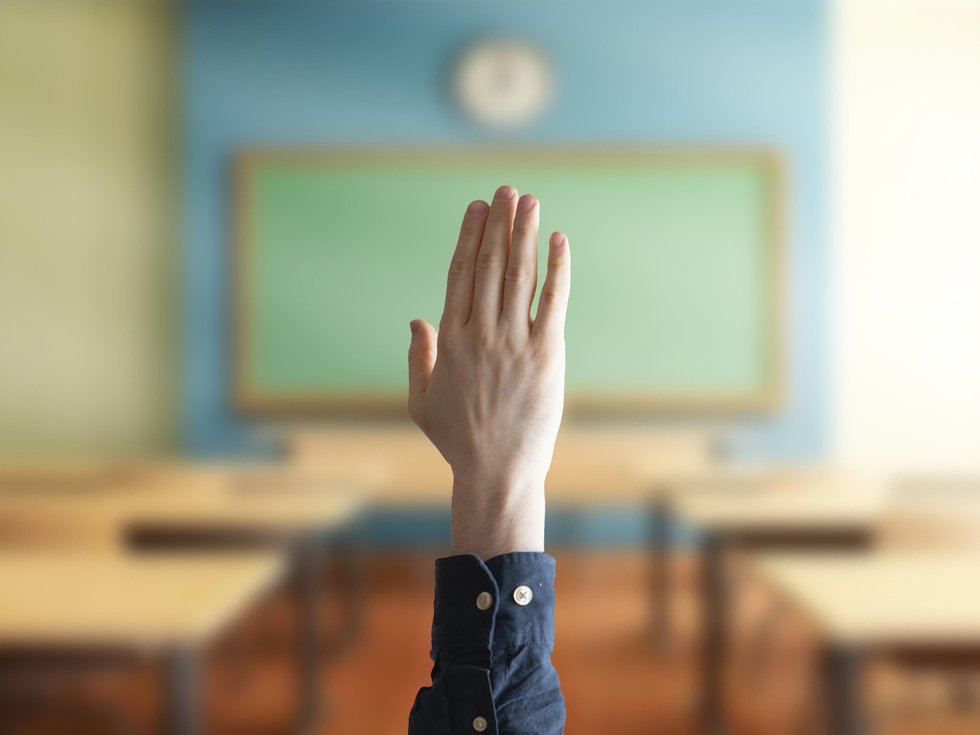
{"points": [[616, 680]]}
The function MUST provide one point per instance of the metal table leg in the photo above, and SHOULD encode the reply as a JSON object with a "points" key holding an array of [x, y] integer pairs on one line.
{"points": [[183, 713], [843, 675], [660, 552], [349, 551], [308, 588], [714, 645]]}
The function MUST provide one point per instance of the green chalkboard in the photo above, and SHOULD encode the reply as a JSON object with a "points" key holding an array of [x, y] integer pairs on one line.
{"points": [[676, 272]]}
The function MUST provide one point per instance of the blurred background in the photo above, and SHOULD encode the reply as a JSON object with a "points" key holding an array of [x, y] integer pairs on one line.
{"points": [[217, 219]]}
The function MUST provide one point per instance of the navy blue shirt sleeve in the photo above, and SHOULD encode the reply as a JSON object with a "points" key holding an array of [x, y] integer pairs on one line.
{"points": [[492, 635]]}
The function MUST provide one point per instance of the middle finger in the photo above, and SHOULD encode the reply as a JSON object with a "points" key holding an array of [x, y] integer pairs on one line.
{"points": [[492, 258]]}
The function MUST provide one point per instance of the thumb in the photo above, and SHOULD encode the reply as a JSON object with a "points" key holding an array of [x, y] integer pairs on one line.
{"points": [[421, 360]]}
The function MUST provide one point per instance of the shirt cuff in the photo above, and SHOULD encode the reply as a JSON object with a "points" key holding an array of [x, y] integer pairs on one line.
{"points": [[505, 602]]}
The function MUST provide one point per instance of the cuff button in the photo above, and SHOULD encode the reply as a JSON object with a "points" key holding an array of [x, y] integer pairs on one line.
{"points": [[484, 601], [523, 595], [479, 724]]}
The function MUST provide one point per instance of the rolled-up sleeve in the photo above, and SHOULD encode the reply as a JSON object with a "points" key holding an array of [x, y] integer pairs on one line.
{"points": [[492, 638]]}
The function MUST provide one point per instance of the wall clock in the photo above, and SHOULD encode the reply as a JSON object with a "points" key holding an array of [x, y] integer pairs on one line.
{"points": [[503, 83]]}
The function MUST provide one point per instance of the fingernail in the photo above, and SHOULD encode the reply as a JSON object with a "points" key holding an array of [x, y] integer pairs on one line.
{"points": [[558, 240], [505, 193], [414, 326], [478, 207], [525, 203]]}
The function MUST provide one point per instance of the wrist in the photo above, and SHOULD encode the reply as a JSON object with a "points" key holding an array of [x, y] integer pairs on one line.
{"points": [[492, 516]]}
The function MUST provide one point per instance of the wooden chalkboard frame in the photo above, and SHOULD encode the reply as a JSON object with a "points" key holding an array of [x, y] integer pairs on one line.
{"points": [[248, 399]]}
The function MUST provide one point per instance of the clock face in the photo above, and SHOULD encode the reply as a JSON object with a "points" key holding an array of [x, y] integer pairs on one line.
{"points": [[503, 83]]}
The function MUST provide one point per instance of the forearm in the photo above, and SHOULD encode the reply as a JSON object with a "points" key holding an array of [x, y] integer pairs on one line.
{"points": [[492, 517], [488, 390]]}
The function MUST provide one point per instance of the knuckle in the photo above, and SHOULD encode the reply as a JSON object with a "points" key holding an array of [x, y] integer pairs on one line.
{"points": [[517, 274], [550, 296], [515, 342], [483, 338], [548, 348], [540, 348], [488, 262], [524, 226], [459, 267]]}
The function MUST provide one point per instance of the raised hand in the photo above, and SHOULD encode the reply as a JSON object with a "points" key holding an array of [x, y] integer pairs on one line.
{"points": [[488, 388]]}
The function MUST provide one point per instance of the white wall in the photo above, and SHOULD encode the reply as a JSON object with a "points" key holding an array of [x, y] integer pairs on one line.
{"points": [[906, 291]]}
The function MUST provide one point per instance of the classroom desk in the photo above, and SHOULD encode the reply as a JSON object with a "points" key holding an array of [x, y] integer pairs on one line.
{"points": [[916, 605], [802, 509], [933, 518], [181, 507], [270, 504], [248, 502], [104, 604], [49, 519], [215, 507]]}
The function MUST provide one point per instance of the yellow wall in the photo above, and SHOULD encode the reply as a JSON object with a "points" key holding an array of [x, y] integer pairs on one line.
{"points": [[87, 231]]}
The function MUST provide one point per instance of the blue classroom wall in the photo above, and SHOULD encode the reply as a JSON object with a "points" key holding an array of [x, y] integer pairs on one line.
{"points": [[655, 72]]}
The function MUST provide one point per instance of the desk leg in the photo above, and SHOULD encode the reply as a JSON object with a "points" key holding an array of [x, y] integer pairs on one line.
{"points": [[660, 553], [184, 701], [715, 616], [350, 552], [308, 588], [843, 678]]}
